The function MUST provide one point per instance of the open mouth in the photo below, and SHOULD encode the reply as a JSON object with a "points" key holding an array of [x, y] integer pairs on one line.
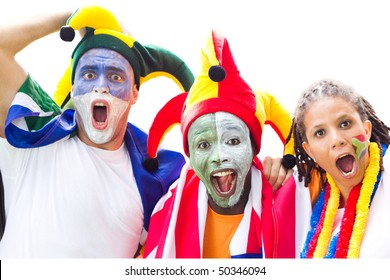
{"points": [[224, 182], [100, 113], [346, 164]]}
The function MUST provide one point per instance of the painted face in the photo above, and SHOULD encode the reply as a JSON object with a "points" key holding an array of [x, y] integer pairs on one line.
{"points": [[221, 155], [103, 70], [333, 128], [103, 93], [100, 115]]}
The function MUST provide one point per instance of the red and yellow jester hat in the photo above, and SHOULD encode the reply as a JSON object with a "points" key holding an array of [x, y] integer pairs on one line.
{"points": [[220, 87]]}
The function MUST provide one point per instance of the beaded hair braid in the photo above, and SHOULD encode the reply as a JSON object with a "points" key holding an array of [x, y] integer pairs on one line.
{"points": [[331, 88]]}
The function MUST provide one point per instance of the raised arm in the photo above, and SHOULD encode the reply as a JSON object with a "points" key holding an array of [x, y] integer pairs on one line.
{"points": [[14, 38]]}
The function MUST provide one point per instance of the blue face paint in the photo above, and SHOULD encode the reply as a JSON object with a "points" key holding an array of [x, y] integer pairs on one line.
{"points": [[104, 71]]}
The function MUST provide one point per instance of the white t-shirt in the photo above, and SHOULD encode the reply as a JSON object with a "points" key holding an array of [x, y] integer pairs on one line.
{"points": [[69, 200]]}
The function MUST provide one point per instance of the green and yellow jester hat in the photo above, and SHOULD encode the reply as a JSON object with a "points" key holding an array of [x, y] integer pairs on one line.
{"points": [[220, 87], [104, 31]]}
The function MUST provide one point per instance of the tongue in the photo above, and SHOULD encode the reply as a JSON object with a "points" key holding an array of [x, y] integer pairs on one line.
{"points": [[345, 163], [100, 113], [224, 183]]}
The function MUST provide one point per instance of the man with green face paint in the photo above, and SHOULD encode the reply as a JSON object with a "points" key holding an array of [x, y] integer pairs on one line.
{"points": [[222, 205], [221, 155]]}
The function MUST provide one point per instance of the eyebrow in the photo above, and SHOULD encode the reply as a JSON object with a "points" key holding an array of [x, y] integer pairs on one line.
{"points": [[338, 119], [95, 67], [197, 133]]}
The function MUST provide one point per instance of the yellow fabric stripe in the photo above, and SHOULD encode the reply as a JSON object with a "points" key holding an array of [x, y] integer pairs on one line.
{"points": [[158, 74]]}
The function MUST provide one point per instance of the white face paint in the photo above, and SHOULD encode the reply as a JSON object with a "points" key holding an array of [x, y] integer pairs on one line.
{"points": [[99, 132]]}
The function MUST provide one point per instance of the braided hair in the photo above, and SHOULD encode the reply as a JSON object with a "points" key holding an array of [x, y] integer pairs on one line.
{"points": [[331, 88]]}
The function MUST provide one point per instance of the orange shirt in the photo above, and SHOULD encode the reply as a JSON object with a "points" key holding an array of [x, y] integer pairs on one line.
{"points": [[219, 231]]}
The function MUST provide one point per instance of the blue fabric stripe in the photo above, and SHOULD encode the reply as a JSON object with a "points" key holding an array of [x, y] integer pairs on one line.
{"points": [[18, 111], [248, 256], [56, 129]]}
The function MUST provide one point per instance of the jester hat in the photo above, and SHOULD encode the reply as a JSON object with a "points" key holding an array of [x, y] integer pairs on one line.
{"points": [[220, 87], [104, 31]]}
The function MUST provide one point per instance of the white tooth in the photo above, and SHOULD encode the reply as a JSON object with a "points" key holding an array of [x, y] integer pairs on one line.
{"points": [[223, 173], [99, 104]]}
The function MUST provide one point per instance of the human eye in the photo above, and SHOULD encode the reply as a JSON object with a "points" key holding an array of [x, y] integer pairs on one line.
{"points": [[89, 75], [116, 78], [203, 145], [319, 133], [345, 124], [233, 141]]}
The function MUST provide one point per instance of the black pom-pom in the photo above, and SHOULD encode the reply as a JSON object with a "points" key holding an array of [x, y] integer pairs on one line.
{"points": [[288, 161], [67, 33], [217, 73], [150, 164]]}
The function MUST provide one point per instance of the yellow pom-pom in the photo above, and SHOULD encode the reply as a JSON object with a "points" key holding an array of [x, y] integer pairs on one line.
{"points": [[94, 17]]}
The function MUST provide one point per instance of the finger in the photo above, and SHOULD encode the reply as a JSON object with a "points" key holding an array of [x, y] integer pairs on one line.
{"points": [[276, 174], [280, 175], [267, 166], [124, 28]]}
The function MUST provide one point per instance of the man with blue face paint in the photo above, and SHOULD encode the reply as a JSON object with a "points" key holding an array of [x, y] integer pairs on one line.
{"points": [[103, 93], [222, 205], [77, 178]]}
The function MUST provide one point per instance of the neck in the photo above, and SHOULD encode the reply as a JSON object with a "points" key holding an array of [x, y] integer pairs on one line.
{"points": [[239, 207], [112, 145]]}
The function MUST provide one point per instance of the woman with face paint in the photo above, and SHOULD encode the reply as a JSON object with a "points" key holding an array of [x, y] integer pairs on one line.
{"points": [[222, 204], [78, 182], [341, 146]]}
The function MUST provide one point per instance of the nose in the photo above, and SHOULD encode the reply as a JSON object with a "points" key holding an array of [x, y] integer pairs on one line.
{"points": [[101, 86], [101, 89], [218, 155], [338, 139]]}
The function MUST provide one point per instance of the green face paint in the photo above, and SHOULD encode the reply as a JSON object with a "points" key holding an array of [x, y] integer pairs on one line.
{"points": [[221, 155], [360, 144]]}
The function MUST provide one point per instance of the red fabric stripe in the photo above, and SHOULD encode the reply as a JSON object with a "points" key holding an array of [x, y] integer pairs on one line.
{"points": [[347, 223], [160, 222], [285, 207], [267, 226], [254, 234], [187, 220]]}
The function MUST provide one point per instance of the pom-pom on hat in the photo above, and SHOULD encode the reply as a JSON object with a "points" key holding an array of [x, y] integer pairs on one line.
{"points": [[104, 31], [220, 87]]}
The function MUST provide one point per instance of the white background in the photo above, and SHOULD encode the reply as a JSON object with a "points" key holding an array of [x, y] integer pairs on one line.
{"points": [[280, 46]]}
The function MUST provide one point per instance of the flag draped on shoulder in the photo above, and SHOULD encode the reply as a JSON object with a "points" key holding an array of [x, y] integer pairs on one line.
{"points": [[35, 120]]}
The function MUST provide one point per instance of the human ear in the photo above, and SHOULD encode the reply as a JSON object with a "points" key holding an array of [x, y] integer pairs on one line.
{"points": [[306, 147], [368, 128], [134, 95]]}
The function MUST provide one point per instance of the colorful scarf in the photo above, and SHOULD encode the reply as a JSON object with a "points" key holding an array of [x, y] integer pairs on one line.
{"points": [[345, 243], [178, 222]]}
